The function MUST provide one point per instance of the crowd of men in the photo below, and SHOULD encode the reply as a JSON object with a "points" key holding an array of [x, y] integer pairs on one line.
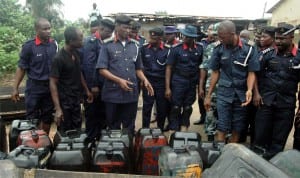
{"points": [[239, 82]]}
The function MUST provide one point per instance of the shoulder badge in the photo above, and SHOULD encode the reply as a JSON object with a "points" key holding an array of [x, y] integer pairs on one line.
{"points": [[178, 44], [251, 43], [265, 51], [133, 40], [93, 39], [167, 46], [199, 43], [145, 44], [108, 40]]}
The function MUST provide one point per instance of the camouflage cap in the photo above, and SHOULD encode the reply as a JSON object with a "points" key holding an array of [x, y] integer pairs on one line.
{"points": [[215, 28]]}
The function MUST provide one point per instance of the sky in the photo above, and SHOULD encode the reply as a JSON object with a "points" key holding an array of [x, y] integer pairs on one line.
{"points": [[247, 9]]}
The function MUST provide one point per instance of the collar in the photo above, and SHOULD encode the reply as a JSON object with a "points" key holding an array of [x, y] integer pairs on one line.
{"points": [[240, 44], [185, 46], [175, 42], [38, 41], [117, 39], [161, 45], [97, 35], [294, 50], [137, 37]]}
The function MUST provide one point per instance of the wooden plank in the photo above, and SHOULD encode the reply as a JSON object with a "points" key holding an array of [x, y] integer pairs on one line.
{"points": [[42, 173]]}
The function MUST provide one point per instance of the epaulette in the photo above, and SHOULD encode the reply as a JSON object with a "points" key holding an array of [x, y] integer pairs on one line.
{"points": [[145, 44], [251, 43], [133, 40], [93, 39], [111, 39], [166, 45], [217, 43], [199, 43], [265, 51], [178, 44]]}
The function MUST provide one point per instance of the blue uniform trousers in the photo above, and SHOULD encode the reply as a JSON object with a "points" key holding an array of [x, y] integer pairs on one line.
{"points": [[38, 101], [162, 104], [118, 114], [272, 127], [95, 119], [183, 95]]}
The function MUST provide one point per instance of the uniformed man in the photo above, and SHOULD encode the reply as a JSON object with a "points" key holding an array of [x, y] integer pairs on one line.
{"points": [[67, 82], [134, 33], [183, 65], [35, 60], [234, 62], [120, 64], [170, 35], [205, 75], [154, 56], [95, 111], [257, 35], [278, 84]]}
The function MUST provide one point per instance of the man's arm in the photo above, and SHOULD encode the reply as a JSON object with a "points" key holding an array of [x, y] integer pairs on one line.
{"points": [[203, 74], [250, 84], [55, 98], [20, 73], [146, 83], [215, 75], [168, 92], [88, 93]]}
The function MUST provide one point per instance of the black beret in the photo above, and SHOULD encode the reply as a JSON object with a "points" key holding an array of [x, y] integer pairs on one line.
{"points": [[123, 19], [156, 32], [107, 23], [284, 27], [270, 30], [135, 25], [94, 23]]}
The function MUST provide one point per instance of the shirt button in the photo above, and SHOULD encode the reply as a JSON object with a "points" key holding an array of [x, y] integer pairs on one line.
{"points": [[126, 59], [127, 69]]}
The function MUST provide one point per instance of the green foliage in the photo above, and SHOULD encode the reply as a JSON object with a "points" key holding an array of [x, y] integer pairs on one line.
{"points": [[8, 61], [10, 39]]}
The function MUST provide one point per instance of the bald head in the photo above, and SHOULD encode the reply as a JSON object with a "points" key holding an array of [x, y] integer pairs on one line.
{"points": [[245, 34], [39, 21], [227, 26]]}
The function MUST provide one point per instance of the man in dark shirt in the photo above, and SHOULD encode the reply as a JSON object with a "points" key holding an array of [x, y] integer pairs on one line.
{"points": [[35, 60], [66, 82]]}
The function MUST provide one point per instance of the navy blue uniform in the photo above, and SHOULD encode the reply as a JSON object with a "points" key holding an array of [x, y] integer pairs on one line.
{"points": [[66, 69], [36, 58], [154, 61], [234, 66], [122, 61], [278, 83], [95, 111], [185, 63]]}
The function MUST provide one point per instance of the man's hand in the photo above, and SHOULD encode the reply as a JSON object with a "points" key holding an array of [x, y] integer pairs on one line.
{"points": [[149, 88], [257, 100], [15, 95], [207, 103], [126, 85], [248, 98], [90, 97], [201, 92], [58, 117], [168, 94]]}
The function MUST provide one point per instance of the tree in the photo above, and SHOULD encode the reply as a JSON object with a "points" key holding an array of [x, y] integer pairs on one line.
{"points": [[44, 8]]}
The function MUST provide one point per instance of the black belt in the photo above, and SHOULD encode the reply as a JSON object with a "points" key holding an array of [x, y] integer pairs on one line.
{"points": [[186, 74], [39, 82]]}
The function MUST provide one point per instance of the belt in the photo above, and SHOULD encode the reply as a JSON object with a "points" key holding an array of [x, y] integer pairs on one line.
{"points": [[185, 74], [39, 82]]}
